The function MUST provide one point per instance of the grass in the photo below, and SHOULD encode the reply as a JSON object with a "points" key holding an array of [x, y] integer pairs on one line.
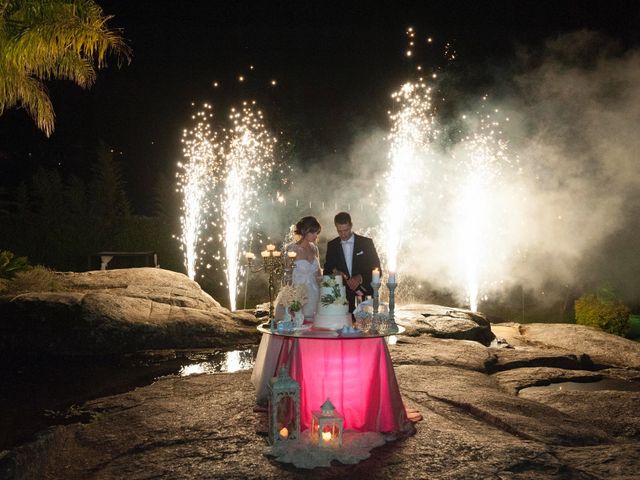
{"points": [[36, 279]]}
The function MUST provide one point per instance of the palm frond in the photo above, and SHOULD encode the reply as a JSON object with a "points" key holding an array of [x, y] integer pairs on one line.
{"points": [[46, 39], [17, 89], [61, 26]]}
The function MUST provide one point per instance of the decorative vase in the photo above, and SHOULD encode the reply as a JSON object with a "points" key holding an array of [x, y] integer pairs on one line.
{"points": [[298, 318]]}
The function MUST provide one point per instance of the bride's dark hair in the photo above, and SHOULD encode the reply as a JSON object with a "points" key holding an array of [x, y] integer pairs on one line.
{"points": [[307, 225]]}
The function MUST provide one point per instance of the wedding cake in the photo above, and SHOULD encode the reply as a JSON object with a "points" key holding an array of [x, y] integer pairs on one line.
{"points": [[333, 308]]}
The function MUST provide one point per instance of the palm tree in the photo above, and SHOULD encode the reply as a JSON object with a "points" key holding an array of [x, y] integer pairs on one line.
{"points": [[51, 39]]}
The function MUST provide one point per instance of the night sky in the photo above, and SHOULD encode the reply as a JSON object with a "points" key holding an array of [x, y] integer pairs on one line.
{"points": [[336, 64]]}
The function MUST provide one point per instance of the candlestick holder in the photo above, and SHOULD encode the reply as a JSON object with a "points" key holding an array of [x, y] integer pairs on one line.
{"points": [[376, 298], [275, 265], [392, 304]]}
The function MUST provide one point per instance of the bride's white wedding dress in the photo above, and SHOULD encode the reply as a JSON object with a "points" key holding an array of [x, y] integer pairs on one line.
{"points": [[306, 272]]}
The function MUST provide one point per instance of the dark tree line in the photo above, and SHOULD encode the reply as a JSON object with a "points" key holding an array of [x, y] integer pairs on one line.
{"points": [[59, 221]]}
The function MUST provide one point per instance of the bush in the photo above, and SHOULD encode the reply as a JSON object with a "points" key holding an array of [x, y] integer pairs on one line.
{"points": [[37, 279], [10, 265], [607, 314]]}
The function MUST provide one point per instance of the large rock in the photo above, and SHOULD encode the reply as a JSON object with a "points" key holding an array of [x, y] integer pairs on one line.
{"points": [[615, 412], [515, 380], [444, 322], [203, 427], [479, 422], [586, 347], [115, 311], [479, 395], [602, 348], [425, 350]]}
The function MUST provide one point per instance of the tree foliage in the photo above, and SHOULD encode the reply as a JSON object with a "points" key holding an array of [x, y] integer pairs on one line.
{"points": [[51, 39], [603, 312], [108, 196], [59, 221]]}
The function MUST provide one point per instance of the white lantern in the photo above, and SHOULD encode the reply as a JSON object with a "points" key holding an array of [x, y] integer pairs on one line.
{"points": [[284, 408], [326, 426]]}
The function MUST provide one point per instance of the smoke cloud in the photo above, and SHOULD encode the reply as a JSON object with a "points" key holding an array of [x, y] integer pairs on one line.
{"points": [[562, 208]]}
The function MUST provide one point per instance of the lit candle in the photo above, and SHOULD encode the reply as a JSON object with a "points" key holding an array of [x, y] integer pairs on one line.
{"points": [[392, 277], [265, 253], [375, 276], [284, 433], [271, 247], [326, 436], [277, 253], [292, 254], [249, 256]]}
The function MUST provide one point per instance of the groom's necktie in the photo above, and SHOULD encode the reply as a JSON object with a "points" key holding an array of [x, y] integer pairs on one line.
{"points": [[347, 249]]}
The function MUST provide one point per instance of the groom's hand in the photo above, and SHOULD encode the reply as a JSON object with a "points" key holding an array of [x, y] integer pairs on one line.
{"points": [[344, 276], [354, 282]]}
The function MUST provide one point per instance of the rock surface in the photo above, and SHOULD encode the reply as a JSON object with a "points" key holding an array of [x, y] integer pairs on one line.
{"points": [[602, 348], [444, 322], [116, 311], [475, 424]]}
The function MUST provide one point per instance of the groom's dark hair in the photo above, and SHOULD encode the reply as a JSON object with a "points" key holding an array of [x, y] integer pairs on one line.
{"points": [[342, 218]]}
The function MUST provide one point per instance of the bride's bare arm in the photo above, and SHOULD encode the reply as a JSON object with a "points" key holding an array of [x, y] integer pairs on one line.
{"points": [[316, 254]]}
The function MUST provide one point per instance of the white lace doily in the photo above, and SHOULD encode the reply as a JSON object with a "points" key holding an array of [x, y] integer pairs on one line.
{"points": [[356, 446]]}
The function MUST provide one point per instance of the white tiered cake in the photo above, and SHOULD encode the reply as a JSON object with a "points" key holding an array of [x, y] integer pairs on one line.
{"points": [[333, 308]]}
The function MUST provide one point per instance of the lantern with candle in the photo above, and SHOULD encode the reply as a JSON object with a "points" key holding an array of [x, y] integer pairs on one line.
{"points": [[284, 408], [326, 426]]}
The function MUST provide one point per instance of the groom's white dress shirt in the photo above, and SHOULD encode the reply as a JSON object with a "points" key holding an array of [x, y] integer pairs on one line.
{"points": [[347, 249]]}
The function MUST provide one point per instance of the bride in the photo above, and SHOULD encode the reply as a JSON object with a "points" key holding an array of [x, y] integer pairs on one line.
{"points": [[307, 264], [306, 271]]}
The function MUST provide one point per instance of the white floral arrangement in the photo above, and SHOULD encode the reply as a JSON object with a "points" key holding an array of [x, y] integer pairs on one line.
{"points": [[292, 297], [329, 282]]}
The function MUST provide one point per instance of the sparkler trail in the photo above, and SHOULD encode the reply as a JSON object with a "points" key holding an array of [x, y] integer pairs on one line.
{"points": [[468, 195], [245, 171], [224, 176], [484, 155], [195, 182], [411, 134]]}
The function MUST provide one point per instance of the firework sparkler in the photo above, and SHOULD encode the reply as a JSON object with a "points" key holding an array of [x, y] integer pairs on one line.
{"points": [[248, 164], [412, 132], [484, 155], [195, 182], [221, 183]]}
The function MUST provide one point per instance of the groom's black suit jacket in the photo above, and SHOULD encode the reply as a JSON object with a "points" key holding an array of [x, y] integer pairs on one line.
{"points": [[365, 259]]}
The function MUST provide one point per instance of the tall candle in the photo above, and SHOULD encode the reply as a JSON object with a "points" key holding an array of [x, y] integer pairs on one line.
{"points": [[271, 247], [392, 277], [375, 276]]}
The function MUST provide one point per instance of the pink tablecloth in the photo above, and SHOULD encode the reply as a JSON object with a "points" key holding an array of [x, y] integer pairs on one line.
{"points": [[356, 374]]}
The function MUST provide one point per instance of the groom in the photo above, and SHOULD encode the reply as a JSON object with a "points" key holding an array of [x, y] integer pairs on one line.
{"points": [[352, 256]]}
